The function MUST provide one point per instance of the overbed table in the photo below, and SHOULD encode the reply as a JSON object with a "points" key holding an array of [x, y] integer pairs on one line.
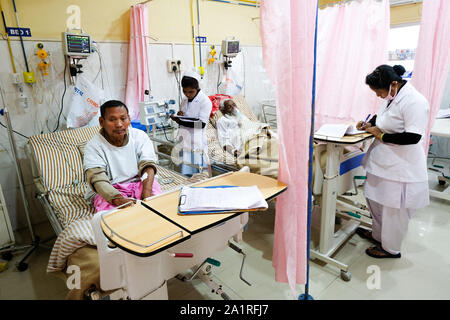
{"points": [[330, 240], [147, 229]]}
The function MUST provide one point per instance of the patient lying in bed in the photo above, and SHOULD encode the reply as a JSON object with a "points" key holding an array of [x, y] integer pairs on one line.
{"points": [[119, 161], [234, 129], [251, 142]]}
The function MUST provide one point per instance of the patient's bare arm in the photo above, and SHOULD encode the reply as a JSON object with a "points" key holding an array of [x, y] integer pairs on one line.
{"points": [[147, 182]]}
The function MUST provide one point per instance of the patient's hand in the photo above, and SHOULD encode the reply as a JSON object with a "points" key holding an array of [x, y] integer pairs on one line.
{"points": [[180, 113], [146, 195], [122, 200], [229, 149]]}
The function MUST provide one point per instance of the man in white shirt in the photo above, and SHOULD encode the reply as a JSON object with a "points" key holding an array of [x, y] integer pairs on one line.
{"points": [[119, 161], [234, 129]]}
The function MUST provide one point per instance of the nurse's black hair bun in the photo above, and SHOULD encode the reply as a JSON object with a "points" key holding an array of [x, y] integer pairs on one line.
{"points": [[400, 70], [384, 75]]}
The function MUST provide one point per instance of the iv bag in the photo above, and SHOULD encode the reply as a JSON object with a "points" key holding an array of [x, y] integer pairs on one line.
{"points": [[230, 84]]}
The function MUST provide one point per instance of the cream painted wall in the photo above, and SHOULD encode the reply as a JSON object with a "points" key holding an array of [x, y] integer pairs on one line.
{"points": [[169, 20], [108, 20]]}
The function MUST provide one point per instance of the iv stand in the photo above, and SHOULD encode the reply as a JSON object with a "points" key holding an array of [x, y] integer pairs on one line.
{"points": [[35, 240]]}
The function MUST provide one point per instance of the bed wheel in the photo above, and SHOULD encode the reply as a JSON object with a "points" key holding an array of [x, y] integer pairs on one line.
{"points": [[7, 256], [345, 275], [22, 266]]}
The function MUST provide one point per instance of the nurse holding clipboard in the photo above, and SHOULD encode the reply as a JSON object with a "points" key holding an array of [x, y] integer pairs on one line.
{"points": [[195, 110]]}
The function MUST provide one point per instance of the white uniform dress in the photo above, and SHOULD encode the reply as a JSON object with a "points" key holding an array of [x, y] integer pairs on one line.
{"points": [[397, 179], [195, 138]]}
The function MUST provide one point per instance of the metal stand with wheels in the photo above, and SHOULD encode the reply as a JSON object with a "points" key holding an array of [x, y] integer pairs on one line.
{"points": [[35, 240]]}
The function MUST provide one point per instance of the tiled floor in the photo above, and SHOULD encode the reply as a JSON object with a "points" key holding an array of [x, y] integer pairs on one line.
{"points": [[422, 273]]}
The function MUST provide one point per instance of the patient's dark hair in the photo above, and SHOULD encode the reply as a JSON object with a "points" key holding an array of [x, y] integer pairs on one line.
{"points": [[189, 82], [110, 104], [382, 76]]}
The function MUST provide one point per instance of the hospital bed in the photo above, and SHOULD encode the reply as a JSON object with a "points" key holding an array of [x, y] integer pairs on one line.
{"points": [[57, 170], [223, 161], [441, 128]]}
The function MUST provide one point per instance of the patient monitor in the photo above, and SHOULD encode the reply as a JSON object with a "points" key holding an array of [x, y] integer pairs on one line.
{"points": [[230, 47], [76, 44], [229, 50]]}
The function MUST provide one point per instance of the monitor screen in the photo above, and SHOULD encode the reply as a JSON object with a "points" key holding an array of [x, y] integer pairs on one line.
{"points": [[78, 43], [151, 120], [233, 47], [149, 110]]}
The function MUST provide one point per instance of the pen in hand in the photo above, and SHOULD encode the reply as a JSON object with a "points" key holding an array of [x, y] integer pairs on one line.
{"points": [[365, 121], [361, 124]]}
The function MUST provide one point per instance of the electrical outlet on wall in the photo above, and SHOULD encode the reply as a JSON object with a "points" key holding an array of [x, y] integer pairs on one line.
{"points": [[174, 65], [16, 78]]}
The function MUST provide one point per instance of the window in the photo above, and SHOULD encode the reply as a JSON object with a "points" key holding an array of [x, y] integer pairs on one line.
{"points": [[402, 46]]}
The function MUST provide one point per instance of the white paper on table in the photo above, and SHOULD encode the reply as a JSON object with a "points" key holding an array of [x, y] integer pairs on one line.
{"points": [[443, 113], [338, 130], [220, 198]]}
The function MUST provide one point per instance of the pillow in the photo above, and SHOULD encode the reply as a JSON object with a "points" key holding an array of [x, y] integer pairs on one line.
{"points": [[215, 100], [81, 147]]}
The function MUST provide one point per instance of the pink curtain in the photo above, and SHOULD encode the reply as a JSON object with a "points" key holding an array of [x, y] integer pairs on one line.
{"points": [[287, 32], [432, 62], [137, 76], [352, 42]]}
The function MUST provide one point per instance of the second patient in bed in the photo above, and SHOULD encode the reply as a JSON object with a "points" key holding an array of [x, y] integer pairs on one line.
{"points": [[119, 161], [234, 129]]}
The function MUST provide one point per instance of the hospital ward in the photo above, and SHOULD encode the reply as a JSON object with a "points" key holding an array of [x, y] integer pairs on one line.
{"points": [[196, 151]]}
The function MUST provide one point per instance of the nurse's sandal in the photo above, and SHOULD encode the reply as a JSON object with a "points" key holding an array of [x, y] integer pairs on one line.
{"points": [[380, 253]]}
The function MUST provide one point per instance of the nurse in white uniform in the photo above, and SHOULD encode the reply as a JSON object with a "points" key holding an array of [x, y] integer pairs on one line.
{"points": [[192, 133], [397, 180]]}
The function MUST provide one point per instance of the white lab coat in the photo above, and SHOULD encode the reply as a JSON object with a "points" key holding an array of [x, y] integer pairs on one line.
{"points": [[195, 138], [399, 164], [397, 179]]}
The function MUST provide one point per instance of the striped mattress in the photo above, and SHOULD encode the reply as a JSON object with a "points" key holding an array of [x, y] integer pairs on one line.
{"points": [[58, 159]]}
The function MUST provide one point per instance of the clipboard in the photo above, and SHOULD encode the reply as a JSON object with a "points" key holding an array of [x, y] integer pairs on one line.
{"points": [[184, 118], [183, 213]]}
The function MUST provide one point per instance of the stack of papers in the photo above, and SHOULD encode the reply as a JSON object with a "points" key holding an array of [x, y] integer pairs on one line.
{"points": [[220, 199], [443, 113], [338, 130]]}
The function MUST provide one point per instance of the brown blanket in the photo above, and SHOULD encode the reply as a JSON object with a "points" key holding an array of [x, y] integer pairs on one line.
{"points": [[260, 154]]}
